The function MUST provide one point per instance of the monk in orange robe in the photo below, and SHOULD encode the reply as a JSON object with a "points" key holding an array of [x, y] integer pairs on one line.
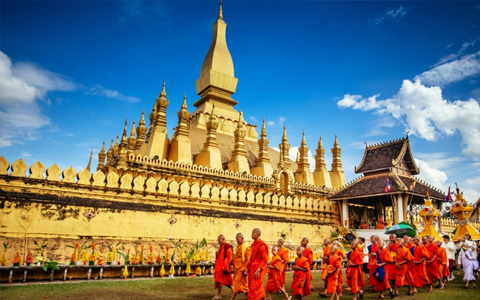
{"points": [[242, 255], [380, 223], [383, 258], [419, 270], [283, 253], [372, 259], [392, 247], [442, 261], [275, 270], [408, 243], [308, 253], [432, 266], [223, 275], [301, 275], [334, 268], [404, 257], [326, 255], [257, 267], [340, 254], [355, 278]]}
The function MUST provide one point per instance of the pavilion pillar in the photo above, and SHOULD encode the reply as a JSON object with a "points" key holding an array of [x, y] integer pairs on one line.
{"points": [[345, 213], [399, 209]]}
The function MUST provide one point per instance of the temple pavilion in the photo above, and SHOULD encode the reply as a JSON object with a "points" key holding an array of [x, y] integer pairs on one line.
{"points": [[386, 186]]}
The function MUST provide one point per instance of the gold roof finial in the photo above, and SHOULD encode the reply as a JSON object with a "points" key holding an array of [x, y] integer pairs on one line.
{"points": [[163, 93], [220, 13], [184, 104], [264, 129], [142, 119], [304, 143]]}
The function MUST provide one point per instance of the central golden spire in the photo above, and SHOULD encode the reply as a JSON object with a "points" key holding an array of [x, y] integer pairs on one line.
{"points": [[217, 80]]}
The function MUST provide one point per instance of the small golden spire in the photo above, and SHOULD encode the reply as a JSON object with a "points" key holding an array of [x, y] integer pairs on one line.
{"points": [[263, 134], [132, 132], [163, 93], [335, 144], [90, 161], [101, 157], [142, 119], [220, 12], [284, 136], [304, 143], [123, 141], [184, 104]]}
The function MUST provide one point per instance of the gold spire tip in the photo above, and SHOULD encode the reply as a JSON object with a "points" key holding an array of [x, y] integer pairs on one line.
{"points": [[220, 13]]}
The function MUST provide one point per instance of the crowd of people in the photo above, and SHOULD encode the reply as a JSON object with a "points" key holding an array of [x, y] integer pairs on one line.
{"points": [[411, 262]]}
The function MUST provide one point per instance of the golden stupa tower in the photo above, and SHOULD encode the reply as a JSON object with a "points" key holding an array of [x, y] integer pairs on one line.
{"points": [[462, 210]]}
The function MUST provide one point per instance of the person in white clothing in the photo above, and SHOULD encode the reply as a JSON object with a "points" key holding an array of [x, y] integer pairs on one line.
{"points": [[467, 240], [469, 264], [451, 250]]}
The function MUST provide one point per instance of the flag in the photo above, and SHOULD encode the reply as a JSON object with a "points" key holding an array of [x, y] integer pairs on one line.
{"points": [[412, 186], [449, 197], [387, 187]]}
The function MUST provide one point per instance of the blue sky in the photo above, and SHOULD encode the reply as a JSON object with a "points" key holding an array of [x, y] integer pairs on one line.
{"points": [[72, 71]]}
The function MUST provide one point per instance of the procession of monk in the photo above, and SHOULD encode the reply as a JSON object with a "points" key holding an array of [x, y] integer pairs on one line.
{"points": [[403, 262]]}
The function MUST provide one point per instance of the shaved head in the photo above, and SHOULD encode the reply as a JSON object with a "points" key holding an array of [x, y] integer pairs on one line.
{"points": [[280, 242]]}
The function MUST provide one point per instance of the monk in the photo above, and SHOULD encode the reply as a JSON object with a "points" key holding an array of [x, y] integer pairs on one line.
{"points": [[383, 258], [432, 266], [419, 270], [442, 261], [242, 255], [408, 242], [275, 271], [340, 254], [301, 275], [392, 247], [404, 257], [222, 275], [380, 223], [372, 259], [355, 278], [334, 269], [283, 253], [326, 255], [307, 253], [257, 267]]}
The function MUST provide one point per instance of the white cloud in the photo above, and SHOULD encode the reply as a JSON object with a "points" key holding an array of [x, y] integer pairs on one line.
{"points": [[253, 119], [431, 175], [453, 70], [99, 90], [281, 120], [427, 114], [42, 79], [271, 123], [20, 115], [393, 13]]}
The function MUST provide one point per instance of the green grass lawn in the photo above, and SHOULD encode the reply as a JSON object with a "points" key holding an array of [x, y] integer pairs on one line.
{"points": [[190, 288]]}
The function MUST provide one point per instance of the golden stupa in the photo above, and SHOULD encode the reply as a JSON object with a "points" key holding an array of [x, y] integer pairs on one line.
{"points": [[462, 210], [429, 214]]}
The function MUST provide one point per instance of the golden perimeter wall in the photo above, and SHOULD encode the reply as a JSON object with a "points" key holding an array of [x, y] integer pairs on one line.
{"points": [[135, 207]]}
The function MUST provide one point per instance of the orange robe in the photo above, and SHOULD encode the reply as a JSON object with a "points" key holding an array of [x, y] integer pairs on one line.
{"points": [[341, 255], [432, 268], [274, 282], [355, 278], [333, 283], [222, 275], [380, 223], [419, 271], [381, 286], [403, 254], [258, 260], [283, 253], [301, 280], [309, 255], [326, 255], [372, 264], [242, 255], [442, 261], [392, 269], [409, 276]]}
